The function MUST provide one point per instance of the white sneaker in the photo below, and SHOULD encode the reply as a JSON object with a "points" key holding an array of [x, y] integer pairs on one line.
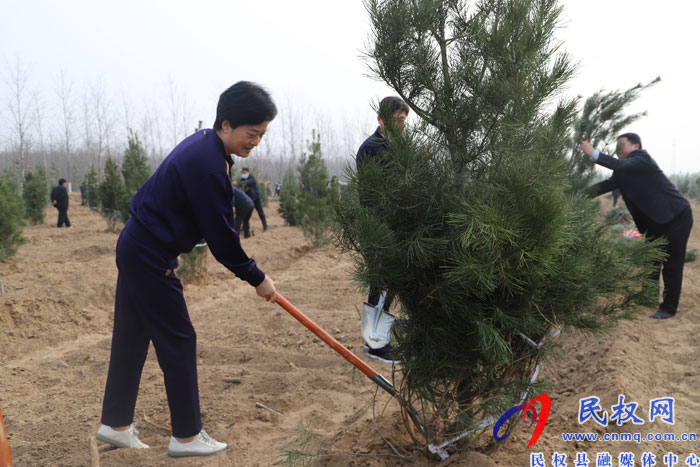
{"points": [[201, 445], [122, 439]]}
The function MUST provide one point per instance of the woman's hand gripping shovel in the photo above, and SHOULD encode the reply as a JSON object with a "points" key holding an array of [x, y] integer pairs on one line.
{"points": [[352, 358]]}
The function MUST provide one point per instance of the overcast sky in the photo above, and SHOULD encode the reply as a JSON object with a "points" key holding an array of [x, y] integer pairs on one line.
{"points": [[308, 53]]}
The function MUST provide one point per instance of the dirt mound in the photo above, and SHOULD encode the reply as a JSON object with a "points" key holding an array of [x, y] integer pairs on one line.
{"points": [[265, 381]]}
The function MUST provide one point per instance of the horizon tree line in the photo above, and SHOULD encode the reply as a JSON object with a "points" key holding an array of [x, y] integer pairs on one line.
{"points": [[72, 126]]}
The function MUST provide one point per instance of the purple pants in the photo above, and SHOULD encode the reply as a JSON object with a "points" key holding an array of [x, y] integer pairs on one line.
{"points": [[150, 307]]}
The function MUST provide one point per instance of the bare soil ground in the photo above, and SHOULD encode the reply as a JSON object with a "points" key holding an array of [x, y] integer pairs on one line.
{"points": [[55, 330]]}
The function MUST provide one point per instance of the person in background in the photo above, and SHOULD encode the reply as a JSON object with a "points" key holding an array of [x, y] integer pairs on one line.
{"points": [[376, 148], [656, 205], [242, 210], [250, 186], [83, 197], [616, 196], [59, 199]]}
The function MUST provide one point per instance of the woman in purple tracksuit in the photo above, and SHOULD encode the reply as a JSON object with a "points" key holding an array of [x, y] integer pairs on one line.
{"points": [[188, 198]]}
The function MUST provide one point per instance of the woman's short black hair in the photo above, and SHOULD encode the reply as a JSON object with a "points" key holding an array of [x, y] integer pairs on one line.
{"points": [[244, 103]]}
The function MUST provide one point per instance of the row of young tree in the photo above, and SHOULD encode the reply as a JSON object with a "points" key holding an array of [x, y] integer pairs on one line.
{"points": [[21, 204], [26, 202], [69, 128], [308, 198], [120, 184], [688, 184]]}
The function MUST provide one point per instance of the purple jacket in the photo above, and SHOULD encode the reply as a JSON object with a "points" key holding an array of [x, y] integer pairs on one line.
{"points": [[189, 198]]}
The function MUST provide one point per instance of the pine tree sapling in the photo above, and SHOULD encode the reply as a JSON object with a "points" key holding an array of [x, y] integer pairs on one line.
{"points": [[307, 201], [475, 229], [289, 199], [35, 195], [92, 188], [193, 263], [264, 190], [12, 214], [315, 210], [112, 194], [135, 168]]}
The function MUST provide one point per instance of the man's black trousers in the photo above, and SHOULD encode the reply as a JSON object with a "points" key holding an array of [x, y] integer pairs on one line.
{"points": [[261, 213], [676, 232], [63, 218], [243, 218]]}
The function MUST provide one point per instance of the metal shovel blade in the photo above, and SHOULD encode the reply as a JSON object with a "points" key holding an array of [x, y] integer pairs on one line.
{"points": [[352, 358]]}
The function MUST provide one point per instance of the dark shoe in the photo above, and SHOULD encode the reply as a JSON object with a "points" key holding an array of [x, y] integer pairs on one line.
{"points": [[384, 355], [662, 314]]}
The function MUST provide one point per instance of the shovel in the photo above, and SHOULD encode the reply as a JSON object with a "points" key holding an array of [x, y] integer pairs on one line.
{"points": [[378, 379]]}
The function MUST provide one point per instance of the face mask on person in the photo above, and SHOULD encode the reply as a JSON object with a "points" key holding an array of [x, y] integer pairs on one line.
{"points": [[244, 176]]}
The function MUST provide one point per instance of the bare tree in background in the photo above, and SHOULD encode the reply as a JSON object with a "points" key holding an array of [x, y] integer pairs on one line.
{"points": [[172, 102], [276, 162], [67, 114], [327, 128], [100, 104], [146, 130], [153, 136], [41, 147], [20, 106], [179, 114], [127, 115], [294, 128], [87, 129]]}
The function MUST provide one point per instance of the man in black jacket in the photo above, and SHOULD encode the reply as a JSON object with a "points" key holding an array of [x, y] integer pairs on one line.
{"points": [[656, 205], [242, 210], [376, 148], [59, 199], [250, 186]]}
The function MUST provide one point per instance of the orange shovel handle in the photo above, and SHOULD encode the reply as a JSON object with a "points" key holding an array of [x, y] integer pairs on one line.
{"points": [[335, 345]]}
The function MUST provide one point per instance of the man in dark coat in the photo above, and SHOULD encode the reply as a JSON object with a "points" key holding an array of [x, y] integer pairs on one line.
{"points": [[242, 210], [250, 186], [83, 197], [59, 199], [376, 148], [656, 205]]}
